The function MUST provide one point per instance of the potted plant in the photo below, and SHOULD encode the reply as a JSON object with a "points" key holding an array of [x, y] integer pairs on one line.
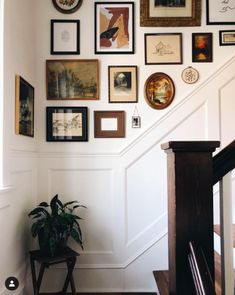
{"points": [[55, 223]]}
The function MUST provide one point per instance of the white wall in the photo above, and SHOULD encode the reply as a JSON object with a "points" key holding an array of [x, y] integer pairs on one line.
{"points": [[121, 181]]}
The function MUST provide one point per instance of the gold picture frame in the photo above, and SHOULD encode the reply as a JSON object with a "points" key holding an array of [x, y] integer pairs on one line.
{"points": [[185, 15]]}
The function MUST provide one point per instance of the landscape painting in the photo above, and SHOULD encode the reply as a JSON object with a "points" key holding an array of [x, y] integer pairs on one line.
{"points": [[72, 79]]}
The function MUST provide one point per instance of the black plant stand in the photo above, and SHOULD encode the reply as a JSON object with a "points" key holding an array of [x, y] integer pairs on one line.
{"points": [[66, 255]]}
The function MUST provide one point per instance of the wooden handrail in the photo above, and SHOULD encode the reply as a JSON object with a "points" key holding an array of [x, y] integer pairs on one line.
{"points": [[200, 271], [223, 162]]}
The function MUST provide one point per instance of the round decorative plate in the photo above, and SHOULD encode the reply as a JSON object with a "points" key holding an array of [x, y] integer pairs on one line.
{"points": [[67, 6], [190, 75]]}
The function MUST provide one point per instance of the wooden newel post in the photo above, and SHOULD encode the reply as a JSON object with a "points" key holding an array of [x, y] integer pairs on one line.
{"points": [[190, 208]]}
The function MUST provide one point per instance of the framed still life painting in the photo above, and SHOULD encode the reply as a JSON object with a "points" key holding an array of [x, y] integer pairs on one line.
{"points": [[24, 107], [114, 27]]}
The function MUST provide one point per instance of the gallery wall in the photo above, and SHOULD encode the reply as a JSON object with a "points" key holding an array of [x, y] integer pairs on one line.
{"points": [[122, 181]]}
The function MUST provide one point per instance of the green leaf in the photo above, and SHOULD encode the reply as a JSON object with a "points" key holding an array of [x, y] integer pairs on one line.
{"points": [[38, 210], [43, 204], [54, 206], [75, 235]]}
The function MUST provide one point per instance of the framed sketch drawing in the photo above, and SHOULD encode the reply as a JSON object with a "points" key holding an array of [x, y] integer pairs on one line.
{"points": [[220, 12], [109, 124], [162, 13], [114, 27], [163, 48], [76, 79], [24, 107], [123, 84], [159, 90], [65, 36], [202, 50], [67, 124]]}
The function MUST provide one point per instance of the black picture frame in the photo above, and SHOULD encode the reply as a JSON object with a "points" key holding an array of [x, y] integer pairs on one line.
{"points": [[65, 36], [108, 40], [202, 47], [220, 12], [66, 7], [227, 38], [66, 124]]}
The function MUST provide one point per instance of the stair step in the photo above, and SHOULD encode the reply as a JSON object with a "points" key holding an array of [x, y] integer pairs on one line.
{"points": [[217, 231]]}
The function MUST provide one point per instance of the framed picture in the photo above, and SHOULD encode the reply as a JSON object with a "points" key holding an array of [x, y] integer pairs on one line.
{"points": [[109, 124], [227, 37], [114, 27], [65, 36], [67, 124], [72, 79], [220, 12], [67, 6], [24, 107], [136, 121], [159, 90], [123, 84], [163, 13], [163, 48], [202, 50], [190, 75]]}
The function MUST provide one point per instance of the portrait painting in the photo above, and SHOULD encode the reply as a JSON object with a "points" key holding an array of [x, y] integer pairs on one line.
{"points": [[202, 47]]}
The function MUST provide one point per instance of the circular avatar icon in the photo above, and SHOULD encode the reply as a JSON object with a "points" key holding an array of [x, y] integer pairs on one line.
{"points": [[11, 283]]}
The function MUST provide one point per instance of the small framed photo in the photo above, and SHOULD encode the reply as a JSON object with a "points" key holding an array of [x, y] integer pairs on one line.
{"points": [[163, 48], [159, 90], [220, 12], [109, 124], [67, 123], [114, 27], [202, 50], [24, 107], [227, 37], [136, 122], [67, 6], [72, 79], [65, 36], [123, 84]]}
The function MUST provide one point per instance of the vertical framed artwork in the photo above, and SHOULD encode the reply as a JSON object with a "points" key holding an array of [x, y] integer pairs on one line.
{"points": [[109, 124], [220, 12], [72, 79], [161, 13], [202, 50], [114, 27], [123, 84], [65, 36], [67, 123], [227, 37], [163, 48], [24, 107]]}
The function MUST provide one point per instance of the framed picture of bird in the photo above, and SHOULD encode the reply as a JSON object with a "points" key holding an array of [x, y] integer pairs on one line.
{"points": [[114, 27]]}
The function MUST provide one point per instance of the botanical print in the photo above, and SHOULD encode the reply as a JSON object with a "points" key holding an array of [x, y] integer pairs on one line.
{"points": [[114, 26], [67, 124], [170, 3], [122, 83], [72, 79]]}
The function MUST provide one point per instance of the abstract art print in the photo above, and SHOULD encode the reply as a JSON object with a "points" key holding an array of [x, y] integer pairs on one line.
{"points": [[114, 27]]}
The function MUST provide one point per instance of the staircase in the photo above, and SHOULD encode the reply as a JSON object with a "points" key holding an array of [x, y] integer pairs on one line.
{"points": [[194, 266]]}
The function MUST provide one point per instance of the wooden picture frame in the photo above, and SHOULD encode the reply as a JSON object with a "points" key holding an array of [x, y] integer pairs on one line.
{"points": [[122, 84], [220, 12], [154, 13], [72, 79], [163, 48], [114, 27], [65, 36], [159, 90], [68, 6], [67, 124], [227, 37], [202, 49], [24, 107], [109, 124]]}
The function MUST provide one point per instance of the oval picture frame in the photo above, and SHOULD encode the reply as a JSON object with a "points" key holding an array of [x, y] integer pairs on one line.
{"points": [[159, 90], [68, 6]]}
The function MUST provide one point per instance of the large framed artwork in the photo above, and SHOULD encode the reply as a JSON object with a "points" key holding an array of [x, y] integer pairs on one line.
{"points": [[24, 107], [72, 79], [123, 84], [164, 13], [220, 12], [163, 48], [67, 123], [114, 27]]}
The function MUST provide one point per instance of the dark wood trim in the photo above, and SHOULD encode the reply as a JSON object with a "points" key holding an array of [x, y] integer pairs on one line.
{"points": [[224, 162], [162, 280], [132, 293]]}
